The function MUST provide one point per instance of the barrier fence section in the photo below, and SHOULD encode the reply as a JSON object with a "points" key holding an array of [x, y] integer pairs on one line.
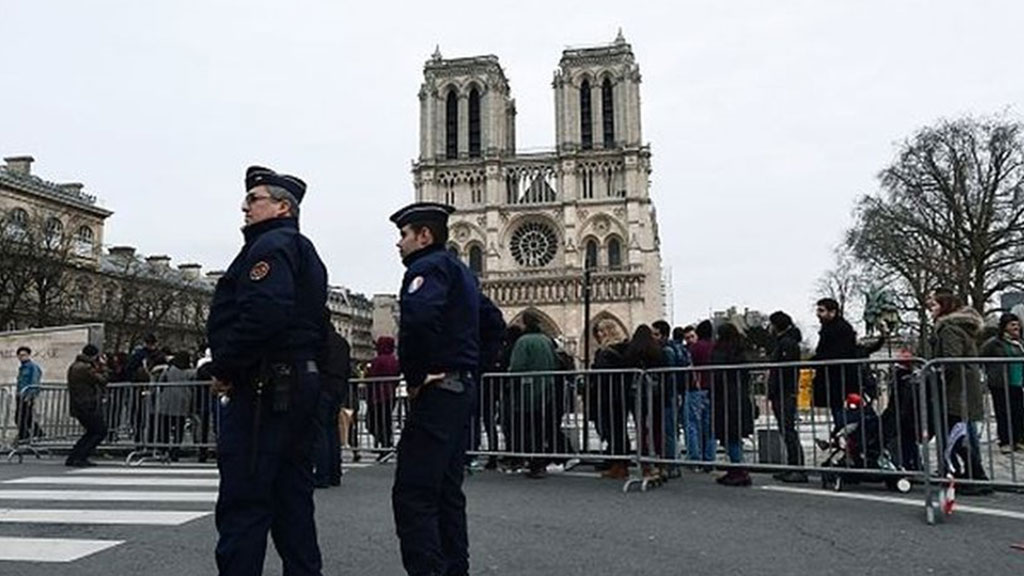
{"points": [[859, 423], [975, 416], [372, 416], [149, 421]]}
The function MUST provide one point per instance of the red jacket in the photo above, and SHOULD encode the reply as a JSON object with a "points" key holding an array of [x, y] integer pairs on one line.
{"points": [[384, 365]]}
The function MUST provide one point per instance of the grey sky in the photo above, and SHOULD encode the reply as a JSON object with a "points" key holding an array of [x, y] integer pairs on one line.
{"points": [[766, 119]]}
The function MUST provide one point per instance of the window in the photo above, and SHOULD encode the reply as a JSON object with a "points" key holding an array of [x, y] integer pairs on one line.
{"points": [[587, 181], [17, 223], [586, 120], [53, 232], [84, 241], [474, 123], [449, 192], [477, 190], [451, 127], [614, 254], [591, 254], [534, 244], [607, 114], [476, 259]]}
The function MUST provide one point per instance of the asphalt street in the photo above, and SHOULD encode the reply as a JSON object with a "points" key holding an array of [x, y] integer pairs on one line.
{"points": [[571, 523]]}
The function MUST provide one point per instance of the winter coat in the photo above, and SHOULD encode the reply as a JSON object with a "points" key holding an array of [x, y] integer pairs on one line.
{"points": [[700, 355], [172, 396], [384, 365], [785, 382], [732, 405], [29, 377], [954, 337], [335, 366], [86, 383], [837, 340], [533, 352], [996, 375]]}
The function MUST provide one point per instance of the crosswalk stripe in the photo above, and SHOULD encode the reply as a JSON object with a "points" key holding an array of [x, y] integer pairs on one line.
{"points": [[118, 481], [100, 517], [125, 471], [51, 549], [107, 496]]}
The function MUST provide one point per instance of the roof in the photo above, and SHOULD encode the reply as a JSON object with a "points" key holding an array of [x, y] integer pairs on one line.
{"points": [[123, 265], [35, 185]]}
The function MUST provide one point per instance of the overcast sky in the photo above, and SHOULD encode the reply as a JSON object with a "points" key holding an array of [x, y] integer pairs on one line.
{"points": [[766, 119]]}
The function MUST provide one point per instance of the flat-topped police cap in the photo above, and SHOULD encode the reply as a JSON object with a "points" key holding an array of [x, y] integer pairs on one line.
{"points": [[260, 176], [422, 212]]}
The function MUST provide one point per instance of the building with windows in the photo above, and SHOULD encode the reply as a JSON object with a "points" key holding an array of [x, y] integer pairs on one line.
{"points": [[530, 223], [352, 317]]}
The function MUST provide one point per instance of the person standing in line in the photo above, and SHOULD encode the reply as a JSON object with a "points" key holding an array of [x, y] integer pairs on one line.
{"points": [[700, 435], [380, 398], [439, 353], [87, 381], [837, 340], [266, 330], [29, 377], [955, 336], [645, 353], [335, 365], [731, 401], [1006, 382], [678, 357], [612, 396], [533, 396], [492, 331], [783, 389]]}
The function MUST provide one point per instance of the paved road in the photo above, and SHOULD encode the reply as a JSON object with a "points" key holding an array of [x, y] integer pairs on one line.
{"points": [[567, 524]]}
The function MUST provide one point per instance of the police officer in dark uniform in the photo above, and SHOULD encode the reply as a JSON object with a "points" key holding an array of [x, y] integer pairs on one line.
{"points": [[438, 348], [266, 328]]}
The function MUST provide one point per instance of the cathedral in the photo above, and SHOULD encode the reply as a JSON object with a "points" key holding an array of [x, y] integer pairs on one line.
{"points": [[530, 224]]}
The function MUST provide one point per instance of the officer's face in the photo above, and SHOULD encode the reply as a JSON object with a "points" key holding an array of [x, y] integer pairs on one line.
{"points": [[410, 241], [259, 205]]}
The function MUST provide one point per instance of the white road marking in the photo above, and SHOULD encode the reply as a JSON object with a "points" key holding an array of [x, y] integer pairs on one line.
{"points": [[895, 500], [51, 549], [125, 471], [105, 517], [118, 481], [107, 496]]}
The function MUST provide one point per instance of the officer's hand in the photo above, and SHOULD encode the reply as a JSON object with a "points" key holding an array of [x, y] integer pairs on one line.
{"points": [[220, 387]]}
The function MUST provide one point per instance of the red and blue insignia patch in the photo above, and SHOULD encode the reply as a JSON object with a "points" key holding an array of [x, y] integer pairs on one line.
{"points": [[259, 271]]}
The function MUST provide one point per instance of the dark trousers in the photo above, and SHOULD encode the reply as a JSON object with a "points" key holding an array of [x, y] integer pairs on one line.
{"points": [[327, 448], [95, 432], [266, 482], [379, 421], [1009, 405], [784, 410], [427, 498], [24, 415]]}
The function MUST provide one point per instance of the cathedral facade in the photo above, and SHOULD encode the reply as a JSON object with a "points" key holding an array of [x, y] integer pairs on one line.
{"points": [[530, 224]]}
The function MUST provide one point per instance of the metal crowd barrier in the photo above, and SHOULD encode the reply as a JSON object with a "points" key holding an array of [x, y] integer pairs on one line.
{"points": [[972, 453], [372, 416], [863, 425], [147, 421]]}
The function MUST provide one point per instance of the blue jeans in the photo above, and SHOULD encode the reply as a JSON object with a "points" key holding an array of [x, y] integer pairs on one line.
{"points": [[671, 428], [735, 451], [700, 439]]}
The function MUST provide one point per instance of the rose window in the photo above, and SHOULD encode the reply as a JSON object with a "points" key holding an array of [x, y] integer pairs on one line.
{"points": [[534, 244]]}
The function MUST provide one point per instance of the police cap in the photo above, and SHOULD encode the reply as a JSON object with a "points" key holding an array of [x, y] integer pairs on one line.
{"points": [[260, 176], [422, 213]]}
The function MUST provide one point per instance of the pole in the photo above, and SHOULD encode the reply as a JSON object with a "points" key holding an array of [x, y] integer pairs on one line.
{"points": [[586, 358]]}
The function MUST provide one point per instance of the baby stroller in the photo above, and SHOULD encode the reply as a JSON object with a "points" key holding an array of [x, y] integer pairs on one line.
{"points": [[856, 444]]}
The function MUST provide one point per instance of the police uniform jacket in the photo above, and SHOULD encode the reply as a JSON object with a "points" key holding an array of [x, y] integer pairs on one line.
{"points": [[269, 304], [440, 316]]}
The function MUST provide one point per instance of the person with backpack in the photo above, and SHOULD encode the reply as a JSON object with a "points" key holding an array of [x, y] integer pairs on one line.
{"points": [[676, 357]]}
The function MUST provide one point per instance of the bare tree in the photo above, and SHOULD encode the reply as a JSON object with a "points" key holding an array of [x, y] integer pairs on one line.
{"points": [[844, 282], [950, 212]]}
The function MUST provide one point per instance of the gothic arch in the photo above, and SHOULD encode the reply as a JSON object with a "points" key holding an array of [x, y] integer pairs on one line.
{"points": [[589, 227], [608, 320], [465, 232], [547, 325]]}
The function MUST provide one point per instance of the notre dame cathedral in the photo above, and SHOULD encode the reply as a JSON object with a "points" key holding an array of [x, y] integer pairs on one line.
{"points": [[529, 224]]}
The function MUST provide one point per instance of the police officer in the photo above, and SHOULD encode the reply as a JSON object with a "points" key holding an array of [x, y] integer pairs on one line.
{"points": [[439, 344], [265, 329]]}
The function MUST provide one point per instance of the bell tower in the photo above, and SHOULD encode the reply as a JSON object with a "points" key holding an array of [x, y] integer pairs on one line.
{"points": [[597, 98]]}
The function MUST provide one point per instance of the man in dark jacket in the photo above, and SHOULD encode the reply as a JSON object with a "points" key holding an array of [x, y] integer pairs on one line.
{"points": [[783, 388], [86, 382], [837, 340], [335, 367], [492, 331]]}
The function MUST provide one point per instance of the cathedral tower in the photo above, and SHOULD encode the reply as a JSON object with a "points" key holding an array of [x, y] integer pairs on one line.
{"points": [[529, 224]]}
